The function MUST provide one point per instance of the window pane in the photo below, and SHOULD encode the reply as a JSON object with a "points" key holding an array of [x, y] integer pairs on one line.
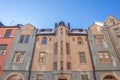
{"points": [[54, 65], [68, 48], [99, 39], [68, 65], [80, 41], [42, 58], [44, 41], [8, 32], [18, 57], [40, 77], [82, 57], [27, 38], [21, 39], [104, 57], [2, 49]]}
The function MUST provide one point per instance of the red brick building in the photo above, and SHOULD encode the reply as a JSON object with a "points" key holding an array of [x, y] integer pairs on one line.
{"points": [[6, 36]]}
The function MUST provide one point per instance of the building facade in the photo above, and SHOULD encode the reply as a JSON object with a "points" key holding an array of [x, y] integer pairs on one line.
{"points": [[27, 53], [61, 54], [106, 63], [6, 36], [17, 65], [113, 28]]}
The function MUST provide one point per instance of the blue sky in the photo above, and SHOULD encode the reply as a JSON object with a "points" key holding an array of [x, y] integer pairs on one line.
{"points": [[44, 13]]}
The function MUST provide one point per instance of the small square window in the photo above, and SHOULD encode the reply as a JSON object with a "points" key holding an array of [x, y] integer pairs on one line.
{"points": [[2, 49]]}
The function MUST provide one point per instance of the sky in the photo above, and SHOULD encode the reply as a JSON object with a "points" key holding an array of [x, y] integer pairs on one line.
{"points": [[45, 13]]}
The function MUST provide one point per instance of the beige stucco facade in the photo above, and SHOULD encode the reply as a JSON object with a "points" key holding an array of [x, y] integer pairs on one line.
{"points": [[60, 37]]}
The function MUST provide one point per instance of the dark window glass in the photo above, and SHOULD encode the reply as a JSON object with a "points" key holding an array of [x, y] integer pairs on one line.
{"points": [[2, 49], [8, 32], [21, 39], [27, 38], [68, 65], [44, 41]]}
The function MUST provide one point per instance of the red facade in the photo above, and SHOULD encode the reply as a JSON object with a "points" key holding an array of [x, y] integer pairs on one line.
{"points": [[6, 36]]}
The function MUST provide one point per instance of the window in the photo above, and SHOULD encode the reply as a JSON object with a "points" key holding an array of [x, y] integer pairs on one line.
{"points": [[24, 38], [61, 65], [49, 39], [44, 40], [2, 49], [61, 51], [18, 57], [73, 39], [84, 77], [27, 38], [8, 32], [104, 57], [68, 65], [68, 48], [80, 40], [42, 58], [109, 77], [118, 36], [99, 39], [40, 77], [14, 77], [82, 57], [54, 65], [55, 48]]}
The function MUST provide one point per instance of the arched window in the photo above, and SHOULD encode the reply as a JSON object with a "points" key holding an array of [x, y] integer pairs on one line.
{"points": [[15, 77], [44, 40], [80, 40], [109, 77]]}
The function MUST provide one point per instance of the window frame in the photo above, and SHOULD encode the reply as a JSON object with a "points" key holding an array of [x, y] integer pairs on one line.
{"points": [[44, 41], [20, 55], [84, 77], [68, 65], [40, 75], [7, 34], [82, 58], [55, 65], [80, 41], [99, 39], [24, 39], [3, 50], [44, 57], [103, 58]]}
